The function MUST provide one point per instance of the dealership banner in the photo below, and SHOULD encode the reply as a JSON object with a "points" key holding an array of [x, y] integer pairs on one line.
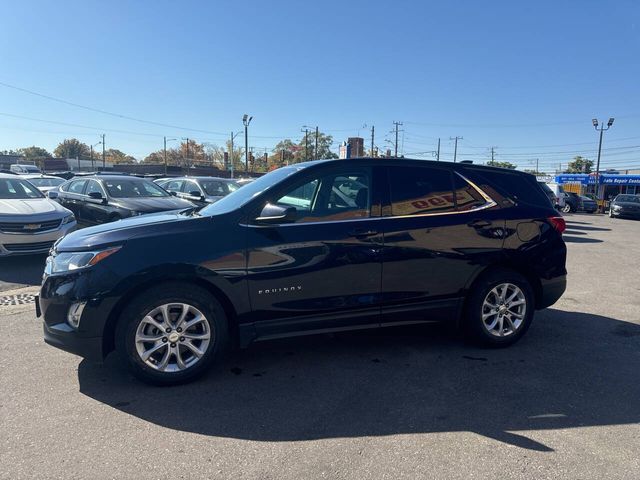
{"points": [[605, 179]]}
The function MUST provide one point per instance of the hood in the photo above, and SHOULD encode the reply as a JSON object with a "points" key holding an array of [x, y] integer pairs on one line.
{"points": [[31, 208], [151, 204], [627, 204], [120, 231]]}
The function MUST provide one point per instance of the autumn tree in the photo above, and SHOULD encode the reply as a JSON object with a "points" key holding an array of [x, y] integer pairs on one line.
{"points": [[501, 164], [72, 148], [117, 157], [580, 165], [33, 152]]}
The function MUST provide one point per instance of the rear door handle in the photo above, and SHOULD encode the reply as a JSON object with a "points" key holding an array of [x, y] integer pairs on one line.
{"points": [[479, 223], [362, 232]]}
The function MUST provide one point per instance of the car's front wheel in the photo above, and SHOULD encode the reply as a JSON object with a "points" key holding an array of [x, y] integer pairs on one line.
{"points": [[567, 208], [171, 334], [500, 308]]}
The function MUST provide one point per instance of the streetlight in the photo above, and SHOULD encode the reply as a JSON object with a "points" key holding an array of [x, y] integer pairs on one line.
{"points": [[94, 145], [165, 152], [233, 136], [602, 129], [246, 120]]}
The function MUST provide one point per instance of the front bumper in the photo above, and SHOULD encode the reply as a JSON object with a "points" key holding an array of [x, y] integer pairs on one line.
{"points": [[58, 293], [32, 243], [626, 213]]}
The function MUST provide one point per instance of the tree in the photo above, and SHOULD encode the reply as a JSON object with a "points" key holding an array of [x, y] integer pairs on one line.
{"points": [[496, 163], [33, 152], [117, 157], [579, 165], [72, 148]]}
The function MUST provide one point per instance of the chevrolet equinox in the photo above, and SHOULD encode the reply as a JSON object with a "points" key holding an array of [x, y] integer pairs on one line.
{"points": [[313, 247]]}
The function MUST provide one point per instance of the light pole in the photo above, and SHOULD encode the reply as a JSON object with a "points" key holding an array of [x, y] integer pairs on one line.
{"points": [[103, 158], [165, 152], [246, 120], [92, 164], [233, 136], [602, 129]]}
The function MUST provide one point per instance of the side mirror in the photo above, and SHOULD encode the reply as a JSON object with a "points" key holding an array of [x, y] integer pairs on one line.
{"points": [[52, 195], [173, 194], [196, 195], [277, 214], [97, 196]]}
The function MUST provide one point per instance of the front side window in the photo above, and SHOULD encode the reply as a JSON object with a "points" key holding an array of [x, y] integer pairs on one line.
{"points": [[217, 188], [94, 186], [173, 185], [330, 198], [76, 186], [190, 187], [17, 189]]}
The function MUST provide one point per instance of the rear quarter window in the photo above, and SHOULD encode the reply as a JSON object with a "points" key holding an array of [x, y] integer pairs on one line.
{"points": [[516, 186]]}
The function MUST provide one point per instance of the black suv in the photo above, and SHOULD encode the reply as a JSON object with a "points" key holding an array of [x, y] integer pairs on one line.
{"points": [[314, 247], [106, 198]]}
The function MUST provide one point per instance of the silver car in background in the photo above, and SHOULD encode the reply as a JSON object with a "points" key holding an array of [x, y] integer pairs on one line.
{"points": [[29, 222], [43, 182]]}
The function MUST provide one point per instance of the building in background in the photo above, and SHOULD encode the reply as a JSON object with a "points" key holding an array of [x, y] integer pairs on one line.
{"points": [[357, 146]]}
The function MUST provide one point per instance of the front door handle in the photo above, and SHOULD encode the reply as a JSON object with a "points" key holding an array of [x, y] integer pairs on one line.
{"points": [[362, 232]]}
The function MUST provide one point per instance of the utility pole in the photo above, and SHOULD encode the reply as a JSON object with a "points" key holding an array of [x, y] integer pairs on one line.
{"points": [[306, 143], [92, 168], [397, 124], [233, 136], [165, 156], [373, 129], [103, 156], [316, 152], [438, 152], [601, 130], [455, 148]]}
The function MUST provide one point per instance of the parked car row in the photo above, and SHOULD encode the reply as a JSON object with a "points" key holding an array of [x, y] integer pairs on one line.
{"points": [[37, 209]]}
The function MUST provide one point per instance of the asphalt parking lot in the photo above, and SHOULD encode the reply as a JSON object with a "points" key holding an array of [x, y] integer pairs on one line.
{"points": [[395, 403]]}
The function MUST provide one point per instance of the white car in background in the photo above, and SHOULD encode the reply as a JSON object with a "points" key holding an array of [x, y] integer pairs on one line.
{"points": [[29, 222], [43, 182]]}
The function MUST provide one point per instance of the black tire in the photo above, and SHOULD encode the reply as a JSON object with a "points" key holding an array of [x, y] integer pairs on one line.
{"points": [[474, 327], [567, 208], [137, 309]]}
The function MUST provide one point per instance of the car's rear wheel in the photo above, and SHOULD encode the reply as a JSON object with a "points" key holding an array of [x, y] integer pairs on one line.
{"points": [[567, 208], [500, 308], [171, 334]]}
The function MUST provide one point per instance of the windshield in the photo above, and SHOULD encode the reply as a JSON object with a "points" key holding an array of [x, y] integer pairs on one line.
{"points": [[46, 182], [628, 198], [218, 188], [133, 188], [242, 195], [17, 189]]}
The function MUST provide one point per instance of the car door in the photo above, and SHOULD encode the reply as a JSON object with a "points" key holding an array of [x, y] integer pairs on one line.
{"points": [[94, 210], [323, 270], [71, 196], [438, 231]]}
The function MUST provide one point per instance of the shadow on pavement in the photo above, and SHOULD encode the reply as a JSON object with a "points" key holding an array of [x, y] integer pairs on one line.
{"points": [[21, 270], [589, 229], [571, 239], [571, 370]]}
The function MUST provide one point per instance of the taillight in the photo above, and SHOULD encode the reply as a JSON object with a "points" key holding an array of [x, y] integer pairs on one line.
{"points": [[558, 223]]}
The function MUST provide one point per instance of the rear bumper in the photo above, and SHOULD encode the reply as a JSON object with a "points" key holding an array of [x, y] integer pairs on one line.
{"points": [[551, 292]]}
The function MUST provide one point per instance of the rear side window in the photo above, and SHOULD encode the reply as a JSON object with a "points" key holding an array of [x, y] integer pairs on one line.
{"points": [[77, 186], [517, 186], [418, 190], [467, 197]]}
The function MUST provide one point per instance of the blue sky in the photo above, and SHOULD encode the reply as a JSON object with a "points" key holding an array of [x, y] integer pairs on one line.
{"points": [[526, 78]]}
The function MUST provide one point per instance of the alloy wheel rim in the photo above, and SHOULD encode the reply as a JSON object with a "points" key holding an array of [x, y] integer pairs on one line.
{"points": [[173, 337], [503, 310]]}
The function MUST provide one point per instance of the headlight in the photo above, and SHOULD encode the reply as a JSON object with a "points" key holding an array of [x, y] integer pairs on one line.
{"points": [[617, 207], [68, 219], [134, 213], [69, 261]]}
